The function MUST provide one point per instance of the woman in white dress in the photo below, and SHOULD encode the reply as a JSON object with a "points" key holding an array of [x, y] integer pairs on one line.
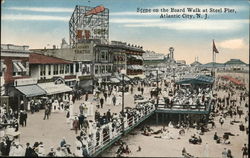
{"points": [[28, 106], [57, 105], [170, 125], [85, 110], [206, 151], [110, 130], [71, 108], [70, 97], [125, 121], [109, 100], [90, 107]]}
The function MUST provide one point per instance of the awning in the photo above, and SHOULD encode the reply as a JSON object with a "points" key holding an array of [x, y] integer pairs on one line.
{"points": [[126, 78], [201, 79], [52, 88], [136, 57], [135, 67], [31, 90], [235, 81], [119, 77], [138, 76], [21, 66], [16, 67], [114, 80]]}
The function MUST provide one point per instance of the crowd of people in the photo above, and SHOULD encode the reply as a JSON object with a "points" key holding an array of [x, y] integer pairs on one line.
{"points": [[103, 128]]}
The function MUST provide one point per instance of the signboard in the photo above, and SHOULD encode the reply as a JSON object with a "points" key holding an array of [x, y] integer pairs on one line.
{"points": [[93, 23], [85, 77], [84, 48], [25, 81]]}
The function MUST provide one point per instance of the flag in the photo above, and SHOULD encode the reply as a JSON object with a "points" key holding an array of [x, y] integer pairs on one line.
{"points": [[214, 48]]}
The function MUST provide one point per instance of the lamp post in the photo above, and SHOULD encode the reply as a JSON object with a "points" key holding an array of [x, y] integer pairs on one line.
{"points": [[174, 78], [157, 101], [123, 128]]}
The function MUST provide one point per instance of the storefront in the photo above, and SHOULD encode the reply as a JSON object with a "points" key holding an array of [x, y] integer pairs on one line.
{"points": [[86, 84]]}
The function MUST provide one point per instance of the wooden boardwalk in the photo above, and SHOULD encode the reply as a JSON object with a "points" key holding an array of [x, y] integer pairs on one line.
{"points": [[132, 123]]}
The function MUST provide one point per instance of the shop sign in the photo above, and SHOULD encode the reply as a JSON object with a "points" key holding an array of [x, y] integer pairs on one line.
{"points": [[85, 77], [25, 81]]}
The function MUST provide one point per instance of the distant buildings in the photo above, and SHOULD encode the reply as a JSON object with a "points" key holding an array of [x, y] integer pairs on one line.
{"points": [[236, 64], [231, 65]]}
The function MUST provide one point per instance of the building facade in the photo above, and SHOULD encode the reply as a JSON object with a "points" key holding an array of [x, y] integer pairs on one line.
{"points": [[14, 64]]}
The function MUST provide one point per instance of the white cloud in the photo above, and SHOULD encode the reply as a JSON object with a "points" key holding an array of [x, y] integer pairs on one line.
{"points": [[233, 44], [40, 9], [27, 17]]}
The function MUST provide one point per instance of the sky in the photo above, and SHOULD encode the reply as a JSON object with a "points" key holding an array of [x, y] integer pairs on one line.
{"points": [[40, 23]]}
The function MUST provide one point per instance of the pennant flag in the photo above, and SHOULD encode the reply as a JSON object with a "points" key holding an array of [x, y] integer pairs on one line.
{"points": [[214, 48]]}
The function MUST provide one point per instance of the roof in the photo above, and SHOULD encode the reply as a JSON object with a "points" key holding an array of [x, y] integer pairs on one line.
{"points": [[200, 79], [234, 62], [211, 64], [43, 59], [196, 63]]}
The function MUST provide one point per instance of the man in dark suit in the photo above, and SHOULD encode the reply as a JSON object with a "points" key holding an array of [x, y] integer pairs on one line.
{"points": [[101, 102]]}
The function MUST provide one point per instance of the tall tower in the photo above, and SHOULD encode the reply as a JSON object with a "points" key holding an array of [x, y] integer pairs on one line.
{"points": [[88, 23], [171, 52]]}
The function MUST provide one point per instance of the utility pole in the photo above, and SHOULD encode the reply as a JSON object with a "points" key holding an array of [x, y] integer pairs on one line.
{"points": [[157, 80], [123, 103]]}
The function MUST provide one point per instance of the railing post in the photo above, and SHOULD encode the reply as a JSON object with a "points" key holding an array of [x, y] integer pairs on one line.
{"points": [[156, 118]]}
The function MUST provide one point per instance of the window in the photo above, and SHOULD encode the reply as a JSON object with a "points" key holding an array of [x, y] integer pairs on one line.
{"points": [[106, 56], [2, 68], [71, 68], [96, 69], [99, 69], [103, 69], [61, 69], [103, 55], [49, 69], [109, 69], [42, 70], [67, 69], [55, 69], [77, 67]]}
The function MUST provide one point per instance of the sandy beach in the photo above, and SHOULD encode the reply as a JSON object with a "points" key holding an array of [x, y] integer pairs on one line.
{"points": [[159, 147]]}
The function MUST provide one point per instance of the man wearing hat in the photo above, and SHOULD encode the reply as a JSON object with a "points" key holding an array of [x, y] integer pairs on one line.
{"points": [[51, 153], [29, 152]]}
